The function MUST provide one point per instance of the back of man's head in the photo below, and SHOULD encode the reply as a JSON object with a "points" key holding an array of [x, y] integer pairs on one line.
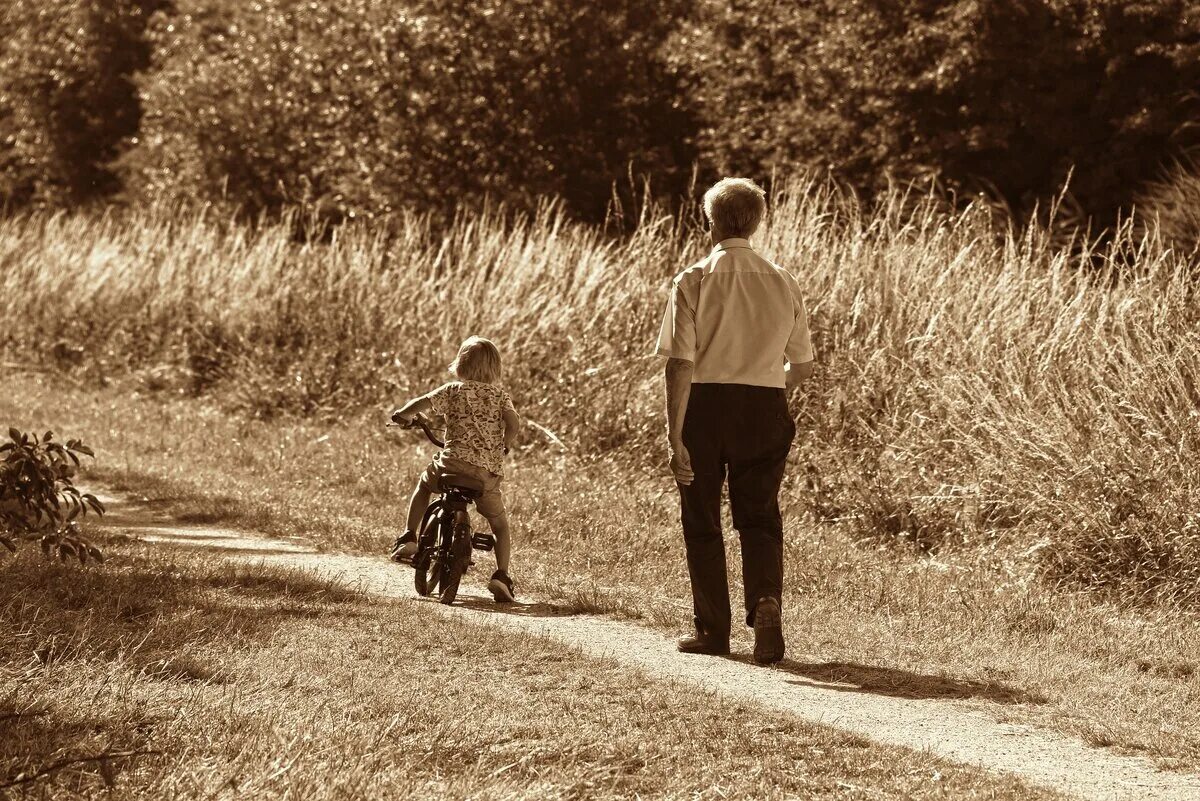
{"points": [[735, 206]]}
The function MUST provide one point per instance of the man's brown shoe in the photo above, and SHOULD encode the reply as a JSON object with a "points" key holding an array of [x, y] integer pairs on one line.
{"points": [[700, 644], [768, 631]]}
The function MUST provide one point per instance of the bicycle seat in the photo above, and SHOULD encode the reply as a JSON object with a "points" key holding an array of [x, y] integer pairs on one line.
{"points": [[466, 485]]}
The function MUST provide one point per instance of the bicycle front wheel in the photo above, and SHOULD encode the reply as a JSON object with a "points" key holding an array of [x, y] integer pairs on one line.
{"points": [[427, 572], [429, 563], [460, 557]]}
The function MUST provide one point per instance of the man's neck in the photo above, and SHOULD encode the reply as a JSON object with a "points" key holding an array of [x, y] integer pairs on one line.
{"points": [[719, 236]]}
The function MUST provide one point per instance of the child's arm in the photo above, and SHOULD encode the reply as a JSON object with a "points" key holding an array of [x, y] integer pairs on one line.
{"points": [[414, 407], [512, 425]]}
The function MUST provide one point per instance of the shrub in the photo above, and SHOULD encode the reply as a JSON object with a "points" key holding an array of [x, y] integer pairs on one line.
{"points": [[359, 109], [66, 99], [1169, 209], [1005, 96], [39, 500]]}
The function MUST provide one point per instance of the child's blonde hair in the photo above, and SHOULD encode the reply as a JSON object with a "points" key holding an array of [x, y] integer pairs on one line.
{"points": [[478, 359]]}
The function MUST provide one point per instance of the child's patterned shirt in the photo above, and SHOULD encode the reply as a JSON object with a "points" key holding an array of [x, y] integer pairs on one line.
{"points": [[474, 414]]}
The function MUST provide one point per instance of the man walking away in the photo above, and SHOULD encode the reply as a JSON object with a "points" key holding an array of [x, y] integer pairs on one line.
{"points": [[735, 335]]}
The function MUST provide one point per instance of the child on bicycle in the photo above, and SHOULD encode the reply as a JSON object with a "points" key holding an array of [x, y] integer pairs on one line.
{"points": [[481, 425]]}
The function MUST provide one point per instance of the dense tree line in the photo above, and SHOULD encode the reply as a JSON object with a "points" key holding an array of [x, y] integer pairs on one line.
{"points": [[360, 108], [1003, 96]]}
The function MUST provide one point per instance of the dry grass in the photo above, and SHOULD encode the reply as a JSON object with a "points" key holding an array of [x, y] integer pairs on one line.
{"points": [[253, 683], [975, 386], [997, 420], [961, 627]]}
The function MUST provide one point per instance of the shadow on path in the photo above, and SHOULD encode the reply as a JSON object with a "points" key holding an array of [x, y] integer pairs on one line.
{"points": [[851, 677], [479, 603]]}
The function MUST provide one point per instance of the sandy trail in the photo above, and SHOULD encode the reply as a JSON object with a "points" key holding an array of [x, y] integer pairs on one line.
{"points": [[942, 727]]}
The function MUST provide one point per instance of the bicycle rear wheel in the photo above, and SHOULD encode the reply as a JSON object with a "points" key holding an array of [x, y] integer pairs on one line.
{"points": [[460, 557]]}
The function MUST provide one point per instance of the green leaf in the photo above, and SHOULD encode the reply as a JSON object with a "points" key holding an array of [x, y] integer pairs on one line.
{"points": [[85, 450], [15, 435]]}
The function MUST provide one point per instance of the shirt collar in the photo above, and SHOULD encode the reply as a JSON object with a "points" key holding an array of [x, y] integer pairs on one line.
{"points": [[727, 244]]}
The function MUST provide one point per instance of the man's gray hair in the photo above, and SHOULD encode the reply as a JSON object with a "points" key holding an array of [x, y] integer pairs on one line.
{"points": [[736, 206]]}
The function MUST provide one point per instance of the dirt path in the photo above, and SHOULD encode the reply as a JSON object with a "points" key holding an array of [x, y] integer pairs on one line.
{"points": [[938, 726]]}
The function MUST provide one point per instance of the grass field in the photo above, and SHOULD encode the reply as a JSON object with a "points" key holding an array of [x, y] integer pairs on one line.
{"points": [[976, 385], [992, 497], [222, 682], [960, 627]]}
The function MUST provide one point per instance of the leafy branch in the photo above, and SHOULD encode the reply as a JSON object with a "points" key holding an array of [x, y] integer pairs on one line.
{"points": [[39, 499]]}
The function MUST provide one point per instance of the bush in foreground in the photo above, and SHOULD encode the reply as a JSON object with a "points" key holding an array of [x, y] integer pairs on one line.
{"points": [[38, 498]]}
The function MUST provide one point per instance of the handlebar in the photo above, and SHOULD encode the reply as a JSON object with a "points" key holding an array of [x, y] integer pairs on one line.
{"points": [[421, 423]]}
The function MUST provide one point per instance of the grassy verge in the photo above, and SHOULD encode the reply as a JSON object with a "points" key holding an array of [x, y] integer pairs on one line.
{"points": [[977, 382], [201, 680], [962, 628]]}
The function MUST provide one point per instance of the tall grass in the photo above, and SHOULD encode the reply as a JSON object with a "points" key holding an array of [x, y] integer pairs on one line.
{"points": [[977, 385]]}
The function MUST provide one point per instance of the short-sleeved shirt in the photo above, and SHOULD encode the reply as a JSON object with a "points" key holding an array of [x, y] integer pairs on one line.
{"points": [[474, 414], [737, 317]]}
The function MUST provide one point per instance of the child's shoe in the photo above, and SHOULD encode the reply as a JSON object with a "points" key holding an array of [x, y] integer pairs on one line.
{"points": [[502, 588], [404, 548]]}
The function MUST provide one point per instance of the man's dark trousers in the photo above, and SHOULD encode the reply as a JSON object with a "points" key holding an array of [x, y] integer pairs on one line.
{"points": [[743, 433]]}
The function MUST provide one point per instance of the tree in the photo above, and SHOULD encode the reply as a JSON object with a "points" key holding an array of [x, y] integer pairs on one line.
{"points": [[363, 108], [1006, 96], [67, 101]]}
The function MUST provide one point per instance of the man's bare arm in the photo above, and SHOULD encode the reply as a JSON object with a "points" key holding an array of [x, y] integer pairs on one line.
{"points": [[679, 389], [797, 373]]}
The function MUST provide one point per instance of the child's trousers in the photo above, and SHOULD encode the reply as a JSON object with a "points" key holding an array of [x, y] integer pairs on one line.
{"points": [[490, 504]]}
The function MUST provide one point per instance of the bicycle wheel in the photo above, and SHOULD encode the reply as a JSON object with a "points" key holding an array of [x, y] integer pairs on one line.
{"points": [[428, 567], [427, 572], [460, 557]]}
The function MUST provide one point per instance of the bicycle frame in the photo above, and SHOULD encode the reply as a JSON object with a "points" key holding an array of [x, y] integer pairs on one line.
{"points": [[444, 533]]}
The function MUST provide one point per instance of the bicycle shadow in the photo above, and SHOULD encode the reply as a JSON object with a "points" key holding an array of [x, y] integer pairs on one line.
{"points": [[480, 603], [851, 677]]}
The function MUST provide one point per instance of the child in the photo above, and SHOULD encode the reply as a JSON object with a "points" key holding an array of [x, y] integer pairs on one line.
{"points": [[481, 425]]}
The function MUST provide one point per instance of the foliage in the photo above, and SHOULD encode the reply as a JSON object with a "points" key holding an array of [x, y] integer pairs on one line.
{"points": [[38, 497], [1007, 96], [1169, 208], [358, 109], [66, 99]]}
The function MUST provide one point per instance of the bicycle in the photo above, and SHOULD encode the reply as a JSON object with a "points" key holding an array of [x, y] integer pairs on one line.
{"points": [[445, 541]]}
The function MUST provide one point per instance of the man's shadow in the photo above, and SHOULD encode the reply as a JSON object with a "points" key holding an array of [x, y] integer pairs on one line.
{"points": [[855, 678]]}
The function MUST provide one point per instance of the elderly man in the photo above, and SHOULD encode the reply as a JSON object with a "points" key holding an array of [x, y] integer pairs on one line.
{"points": [[735, 335]]}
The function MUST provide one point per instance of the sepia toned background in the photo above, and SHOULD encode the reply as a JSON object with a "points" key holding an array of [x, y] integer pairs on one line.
{"points": [[235, 233]]}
